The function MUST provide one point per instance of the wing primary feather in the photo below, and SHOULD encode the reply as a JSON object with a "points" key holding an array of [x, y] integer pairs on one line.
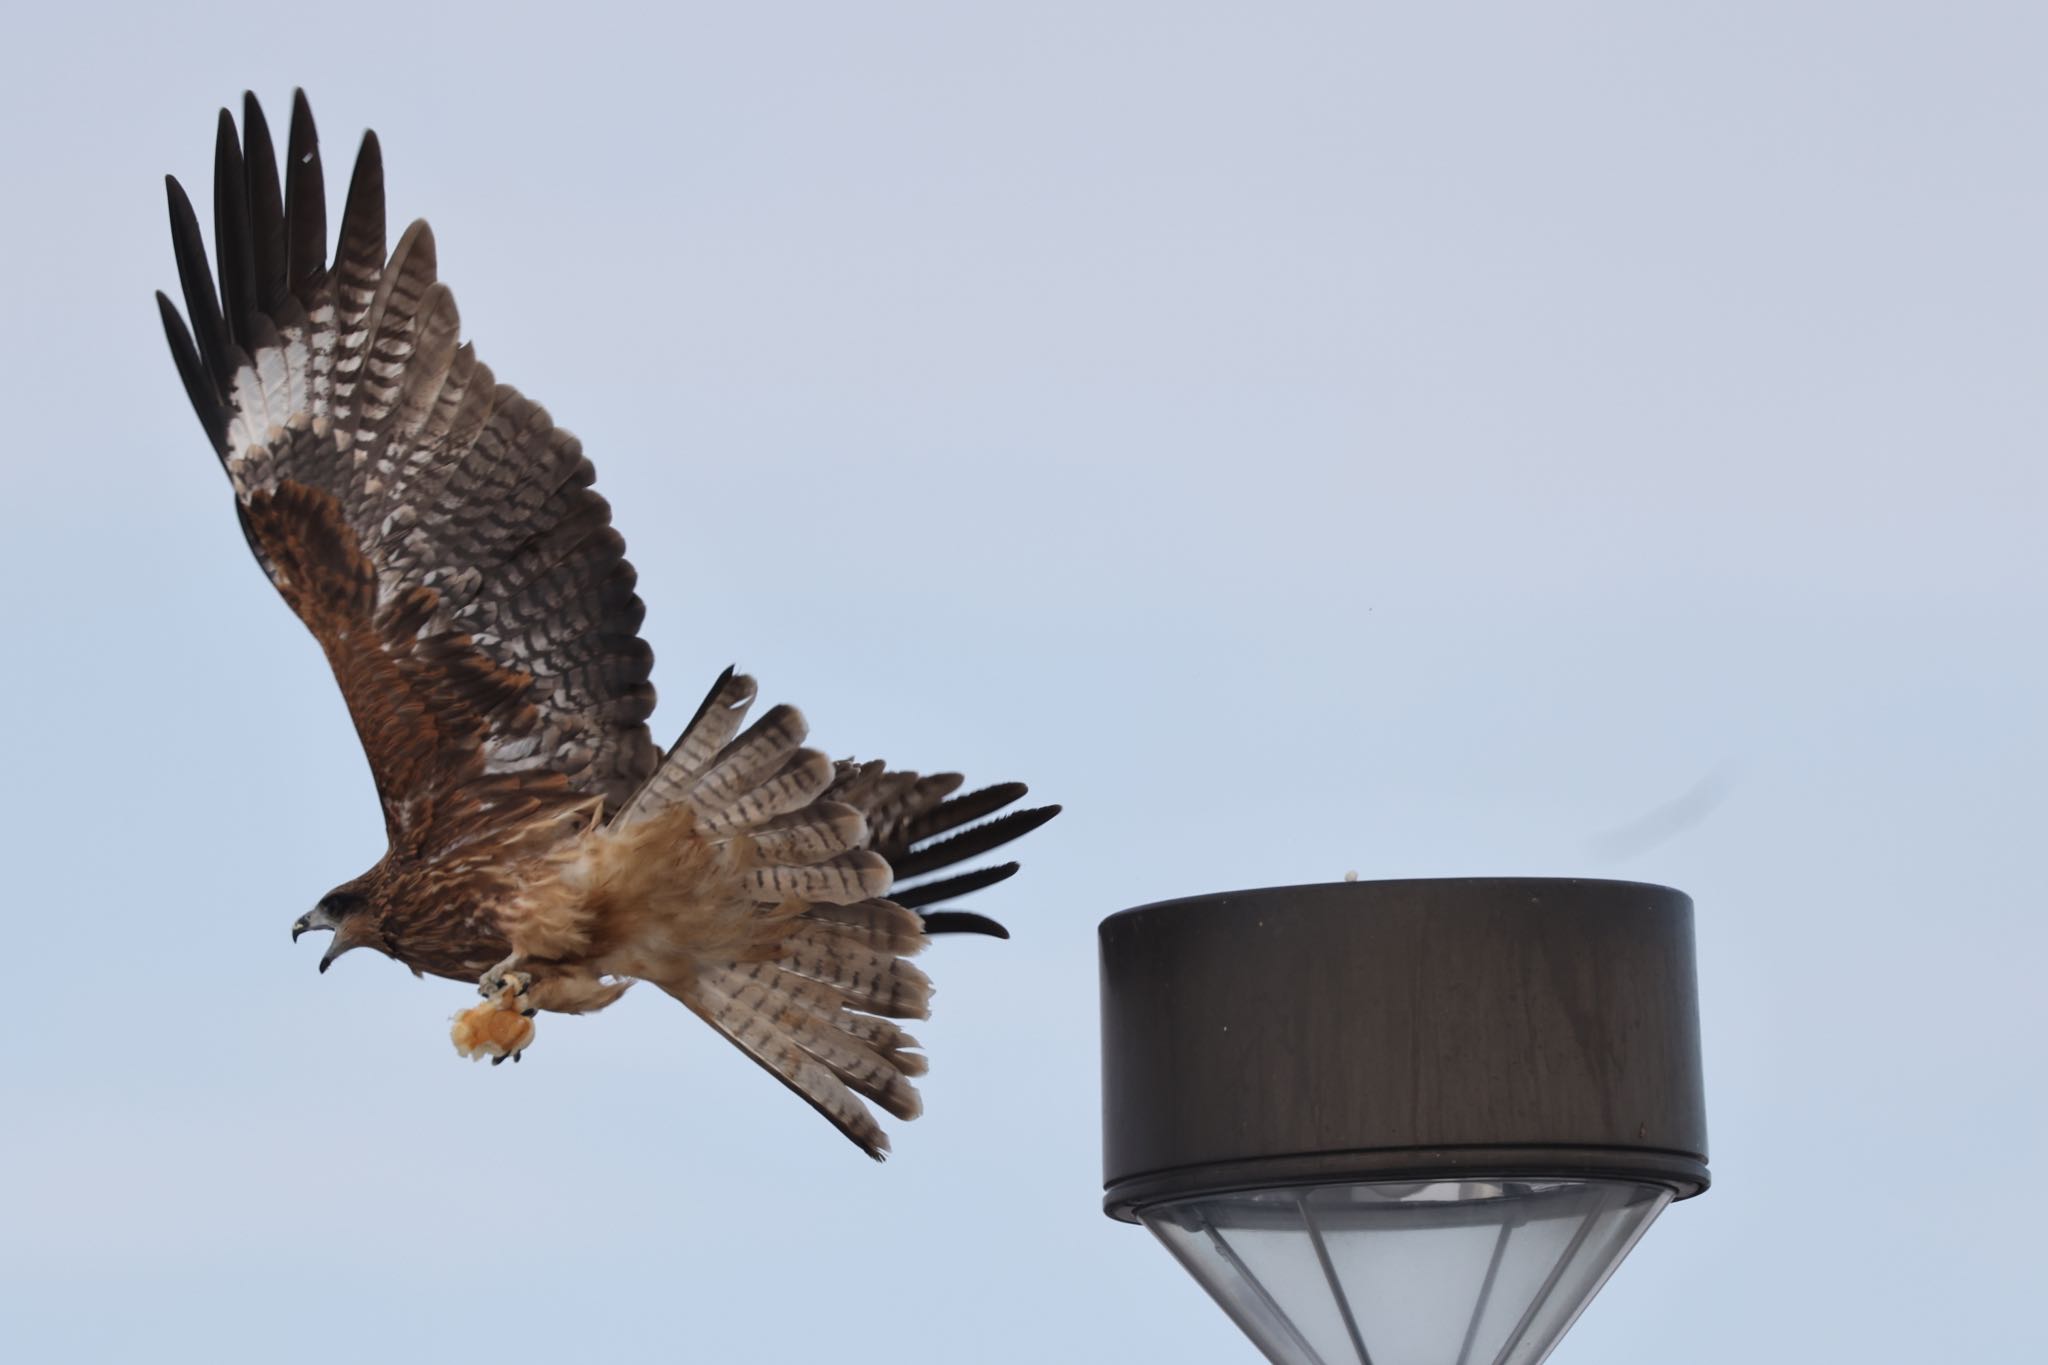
{"points": [[437, 326], [961, 809], [917, 897], [358, 273], [305, 203], [362, 216], [391, 333], [266, 209], [213, 414], [231, 232], [962, 922], [710, 700], [195, 281], [970, 842]]}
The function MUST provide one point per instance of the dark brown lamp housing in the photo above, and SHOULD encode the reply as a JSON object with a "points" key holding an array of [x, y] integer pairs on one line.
{"points": [[1413, 1120]]}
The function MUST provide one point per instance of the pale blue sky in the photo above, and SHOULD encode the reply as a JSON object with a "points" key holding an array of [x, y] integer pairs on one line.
{"points": [[1411, 439]]}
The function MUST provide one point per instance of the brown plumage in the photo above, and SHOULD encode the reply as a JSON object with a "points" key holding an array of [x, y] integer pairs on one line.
{"points": [[440, 538]]}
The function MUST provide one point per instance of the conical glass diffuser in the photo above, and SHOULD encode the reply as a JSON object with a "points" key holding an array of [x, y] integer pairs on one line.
{"points": [[1443, 1272]]}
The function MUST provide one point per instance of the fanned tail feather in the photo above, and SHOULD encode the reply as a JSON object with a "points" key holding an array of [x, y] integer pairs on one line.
{"points": [[826, 967], [805, 1035], [819, 969]]}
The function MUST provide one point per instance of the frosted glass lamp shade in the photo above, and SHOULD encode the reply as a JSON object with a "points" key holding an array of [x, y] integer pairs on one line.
{"points": [[1444, 1272]]}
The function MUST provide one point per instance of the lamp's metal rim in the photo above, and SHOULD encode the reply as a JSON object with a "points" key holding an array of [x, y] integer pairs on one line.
{"points": [[1683, 1173], [1510, 879]]}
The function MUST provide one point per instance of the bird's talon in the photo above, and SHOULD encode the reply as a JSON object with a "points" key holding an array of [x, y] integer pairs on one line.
{"points": [[498, 1060], [493, 984]]}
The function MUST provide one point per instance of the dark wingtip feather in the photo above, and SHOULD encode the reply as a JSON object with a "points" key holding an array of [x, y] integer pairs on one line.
{"points": [[265, 207], [962, 922], [305, 198], [369, 168], [917, 897], [970, 842], [362, 215], [212, 413], [195, 282], [231, 253], [961, 809]]}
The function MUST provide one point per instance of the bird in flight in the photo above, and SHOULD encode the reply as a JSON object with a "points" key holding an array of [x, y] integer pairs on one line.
{"points": [[440, 537]]}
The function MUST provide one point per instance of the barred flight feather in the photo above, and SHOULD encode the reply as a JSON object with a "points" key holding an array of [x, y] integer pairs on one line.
{"points": [[880, 924], [811, 835], [748, 1022]]}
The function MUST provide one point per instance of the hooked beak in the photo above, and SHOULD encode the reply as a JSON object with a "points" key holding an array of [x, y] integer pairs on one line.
{"points": [[342, 912], [318, 918]]}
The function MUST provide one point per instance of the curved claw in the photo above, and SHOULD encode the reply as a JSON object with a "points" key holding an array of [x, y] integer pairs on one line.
{"points": [[499, 1060], [494, 984]]}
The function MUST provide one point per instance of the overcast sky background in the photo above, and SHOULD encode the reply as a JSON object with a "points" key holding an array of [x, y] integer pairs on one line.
{"points": [[1419, 440]]}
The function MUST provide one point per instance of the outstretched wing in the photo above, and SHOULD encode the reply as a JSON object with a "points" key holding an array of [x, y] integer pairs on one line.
{"points": [[431, 526]]}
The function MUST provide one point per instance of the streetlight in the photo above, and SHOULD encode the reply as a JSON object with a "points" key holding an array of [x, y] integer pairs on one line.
{"points": [[1408, 1122]]}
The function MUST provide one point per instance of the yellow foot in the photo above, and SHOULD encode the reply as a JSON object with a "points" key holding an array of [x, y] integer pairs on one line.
{"points": [[497, 1029]]}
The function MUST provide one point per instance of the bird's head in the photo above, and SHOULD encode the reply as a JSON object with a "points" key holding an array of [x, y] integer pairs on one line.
{"points": [[348, 913]]}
